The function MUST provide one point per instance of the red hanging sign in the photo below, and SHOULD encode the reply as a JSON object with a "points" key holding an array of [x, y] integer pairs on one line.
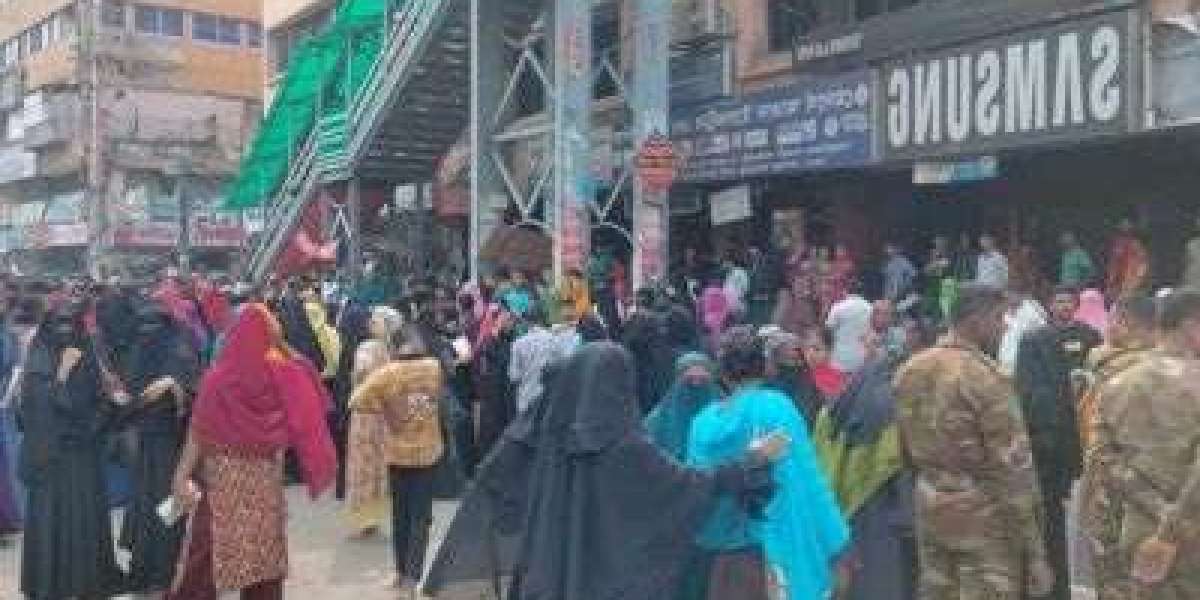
{"points": [[656, 163]]}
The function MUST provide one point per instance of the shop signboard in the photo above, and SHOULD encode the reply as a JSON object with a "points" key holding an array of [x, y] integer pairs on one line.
{"points": [[730, 205], [1061, 82], [147, 235], [963, 171], [817, 123], [829, 44], [1175, 63], [217, 230], [656, 163], [63, 235]]}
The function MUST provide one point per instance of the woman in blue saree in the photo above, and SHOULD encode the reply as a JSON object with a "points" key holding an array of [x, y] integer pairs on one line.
{"points": [[796, 539]]}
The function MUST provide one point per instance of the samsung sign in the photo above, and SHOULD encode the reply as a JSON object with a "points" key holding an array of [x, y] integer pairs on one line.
{"points": [[1059, 83]]}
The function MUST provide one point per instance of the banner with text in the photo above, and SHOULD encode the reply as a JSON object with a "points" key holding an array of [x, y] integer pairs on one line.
{"points": [[820, 123], [1058, 83]]}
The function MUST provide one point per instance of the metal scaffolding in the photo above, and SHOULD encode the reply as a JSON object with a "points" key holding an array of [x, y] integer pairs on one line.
{"points": [[452, 65], [550, 42]]}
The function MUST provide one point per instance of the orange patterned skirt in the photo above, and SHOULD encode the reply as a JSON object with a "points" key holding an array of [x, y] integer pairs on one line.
{"points": [[240, 532]]}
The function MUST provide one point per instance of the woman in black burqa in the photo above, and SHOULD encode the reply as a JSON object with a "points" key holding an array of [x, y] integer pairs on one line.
{"points": [[160, 375], [68, 549], [575, 503]]}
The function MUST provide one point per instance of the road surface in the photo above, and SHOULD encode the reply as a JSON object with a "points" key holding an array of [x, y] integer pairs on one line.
{"points": [[325, 564]]}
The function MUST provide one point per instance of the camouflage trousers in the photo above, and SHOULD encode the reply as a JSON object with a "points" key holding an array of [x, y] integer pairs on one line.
{"points": [[1115, 583], [986, 570]]}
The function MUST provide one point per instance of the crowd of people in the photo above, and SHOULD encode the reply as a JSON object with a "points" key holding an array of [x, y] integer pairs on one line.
{"points": [[768, 427]]}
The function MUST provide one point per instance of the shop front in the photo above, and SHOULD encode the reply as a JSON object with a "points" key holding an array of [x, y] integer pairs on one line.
{"points": [[1031, 133], [770, 167]]}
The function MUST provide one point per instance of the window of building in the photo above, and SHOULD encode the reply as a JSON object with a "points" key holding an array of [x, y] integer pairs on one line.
{"points": [[35, 38], [12, 52], [204, 28], [112, 14], [786, 21], [67, 29], [865, 9], [229, 31], [254, 34], [152, 20], [280, 51]]}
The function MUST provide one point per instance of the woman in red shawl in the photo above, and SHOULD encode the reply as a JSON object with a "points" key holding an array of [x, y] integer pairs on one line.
{"points": [[258, 399]]}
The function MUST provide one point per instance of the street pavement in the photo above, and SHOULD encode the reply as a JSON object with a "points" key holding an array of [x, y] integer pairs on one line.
{"points": [[325, 563]]}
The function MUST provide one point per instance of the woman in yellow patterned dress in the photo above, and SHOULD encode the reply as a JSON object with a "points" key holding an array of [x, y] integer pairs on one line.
{"points": [[366, 472]]}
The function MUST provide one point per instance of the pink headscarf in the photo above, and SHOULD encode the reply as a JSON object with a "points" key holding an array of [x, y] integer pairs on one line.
{"points": [[1091, 310]]}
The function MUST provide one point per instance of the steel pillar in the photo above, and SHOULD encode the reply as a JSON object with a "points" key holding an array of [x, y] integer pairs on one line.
{"points": [[354, 215], [574, 190], [649, 101], [487, 87]]}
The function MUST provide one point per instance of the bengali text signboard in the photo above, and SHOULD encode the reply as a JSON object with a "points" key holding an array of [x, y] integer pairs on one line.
{"points": [[818, 123]]}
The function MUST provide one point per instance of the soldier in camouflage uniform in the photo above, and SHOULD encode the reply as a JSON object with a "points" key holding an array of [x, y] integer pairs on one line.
{"points": [[1149, 421], [977, 498], [1131, 336]]}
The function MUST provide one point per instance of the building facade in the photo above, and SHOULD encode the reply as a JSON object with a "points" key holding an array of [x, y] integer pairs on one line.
{"points": [[122, 122], [287, 23], [853, 123]]}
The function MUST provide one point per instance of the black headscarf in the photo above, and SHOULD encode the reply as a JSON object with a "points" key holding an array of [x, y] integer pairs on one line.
{"points": [[866, 407], [682, 330], [160, 349], [51, 415], [592, 329], [575, 502], [115, 323], [298, 331], [354, 328]]}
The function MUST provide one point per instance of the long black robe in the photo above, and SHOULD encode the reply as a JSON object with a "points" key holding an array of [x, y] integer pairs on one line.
{"points": [[158, 431], [68, 548], [497, 395], [645, 336], [353, 327], [1042, 379], [575, 503]]}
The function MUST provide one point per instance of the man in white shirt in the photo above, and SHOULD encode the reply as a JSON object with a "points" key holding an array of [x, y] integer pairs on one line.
{"points": [[992, 266], [850, 322]]}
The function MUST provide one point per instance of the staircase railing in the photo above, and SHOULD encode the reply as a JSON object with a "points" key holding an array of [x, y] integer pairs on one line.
{"points": [[413, 23]]}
